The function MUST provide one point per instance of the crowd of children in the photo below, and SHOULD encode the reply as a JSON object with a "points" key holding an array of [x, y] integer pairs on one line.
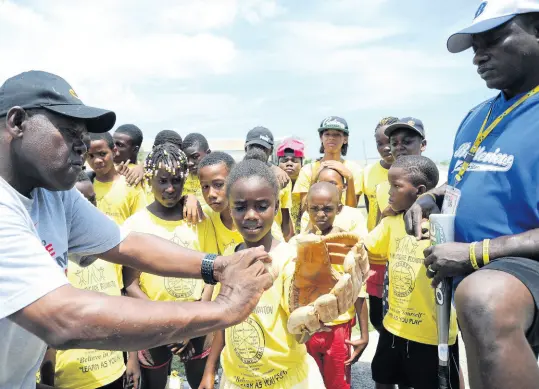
{"points": [[205, 200]]}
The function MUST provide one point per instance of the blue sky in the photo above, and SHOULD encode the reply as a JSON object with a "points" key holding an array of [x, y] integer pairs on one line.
{"points": [[221, 67]]}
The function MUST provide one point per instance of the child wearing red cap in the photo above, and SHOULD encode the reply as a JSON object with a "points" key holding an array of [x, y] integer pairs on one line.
{"points": [[290, 154]]}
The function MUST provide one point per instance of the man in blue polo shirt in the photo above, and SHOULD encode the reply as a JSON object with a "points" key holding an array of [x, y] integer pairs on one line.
{"points": [[494, 185]]}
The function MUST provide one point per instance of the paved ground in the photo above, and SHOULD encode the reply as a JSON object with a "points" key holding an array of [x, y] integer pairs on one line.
{"points": [[361, 371]]}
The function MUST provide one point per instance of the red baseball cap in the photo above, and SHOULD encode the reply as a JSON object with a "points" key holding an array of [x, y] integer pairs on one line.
{"points": [[297, 146]]}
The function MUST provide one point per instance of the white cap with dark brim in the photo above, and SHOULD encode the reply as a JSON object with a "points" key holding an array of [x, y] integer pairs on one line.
{"points": [[490, 14]]}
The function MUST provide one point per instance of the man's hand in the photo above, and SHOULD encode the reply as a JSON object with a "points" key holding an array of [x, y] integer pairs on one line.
{"points": [[132, 372], [448, 260], [359, 346], [421, 209], [282, 177], [243, 277], [192, 210], [338, 166]]}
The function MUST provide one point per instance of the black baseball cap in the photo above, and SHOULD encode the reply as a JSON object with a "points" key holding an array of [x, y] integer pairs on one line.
{"points": [[334, 123], [260, 136], [37, 89], [410, 123]]}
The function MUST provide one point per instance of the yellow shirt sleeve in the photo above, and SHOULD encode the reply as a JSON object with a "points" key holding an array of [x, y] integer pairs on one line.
{"points": [[378, 240], [303, 183], [207, 239], [382, 195], [357, 172], [285, 196], [137, 199], [304, 222]]}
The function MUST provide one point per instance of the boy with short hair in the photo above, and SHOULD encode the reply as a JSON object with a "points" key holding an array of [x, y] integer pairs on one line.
{"points": [[115, 198], [331, 350], [407, 353], [213, 172], [128, 141], [290, 154], [261, 138], [196, 147]]}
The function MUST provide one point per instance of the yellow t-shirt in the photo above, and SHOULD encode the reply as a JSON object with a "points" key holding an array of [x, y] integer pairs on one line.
{"points": [[412, 306], [199, 237], [349, 220], [285, 201], [259, 352], [88, 369], [308, 173], [227, 240], [192, 186], [118, 200], [294, 212]]}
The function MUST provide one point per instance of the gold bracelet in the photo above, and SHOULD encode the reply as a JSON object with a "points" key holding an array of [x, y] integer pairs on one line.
{"points": [[473, 259], [486, 253], [428, 194]]}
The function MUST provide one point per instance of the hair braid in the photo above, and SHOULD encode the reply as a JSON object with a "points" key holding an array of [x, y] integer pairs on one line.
{"points": [[166, 156]]}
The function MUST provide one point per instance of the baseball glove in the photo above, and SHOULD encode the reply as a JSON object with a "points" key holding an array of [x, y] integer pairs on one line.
{"points": [[319, 293]]}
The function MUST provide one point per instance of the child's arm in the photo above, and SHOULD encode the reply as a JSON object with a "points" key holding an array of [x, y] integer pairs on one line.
{"points": [[192, 210], [360, 344], [131, 283], [207, 293], [132, 370], [286, 226], [48, 367], [217, 347]]}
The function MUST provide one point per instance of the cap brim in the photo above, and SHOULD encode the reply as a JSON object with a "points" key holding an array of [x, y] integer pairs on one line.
{"points": [[462, 40], [397, 126], [259, 142], [336, 129], [97, 120]]}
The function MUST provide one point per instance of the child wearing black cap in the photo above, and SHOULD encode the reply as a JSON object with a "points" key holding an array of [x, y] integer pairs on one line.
{"points": [[333, 133]]}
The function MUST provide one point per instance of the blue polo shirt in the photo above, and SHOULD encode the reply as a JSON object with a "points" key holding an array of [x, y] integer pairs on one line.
{"points": [[500, 190]]}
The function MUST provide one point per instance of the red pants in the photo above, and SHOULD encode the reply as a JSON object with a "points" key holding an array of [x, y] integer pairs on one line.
{"points": [[330, 352]]}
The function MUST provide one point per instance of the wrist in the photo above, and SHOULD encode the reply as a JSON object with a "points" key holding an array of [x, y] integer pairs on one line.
{"points": [[218, 267]]}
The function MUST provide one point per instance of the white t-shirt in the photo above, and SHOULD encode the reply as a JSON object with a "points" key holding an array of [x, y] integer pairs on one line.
{"points": [[35, 236]]}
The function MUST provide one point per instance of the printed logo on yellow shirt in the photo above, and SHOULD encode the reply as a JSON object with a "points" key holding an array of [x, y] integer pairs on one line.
{"points": [[180, 287], [92, 278], [248, 341]]}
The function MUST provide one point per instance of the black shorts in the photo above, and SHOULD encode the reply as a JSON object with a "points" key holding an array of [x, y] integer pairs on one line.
{"points": [[400, 361], [527, 271], [375, 311]]}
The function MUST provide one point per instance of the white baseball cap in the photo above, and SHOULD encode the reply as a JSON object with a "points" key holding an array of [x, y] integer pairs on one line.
{"points": [[489, 15]]}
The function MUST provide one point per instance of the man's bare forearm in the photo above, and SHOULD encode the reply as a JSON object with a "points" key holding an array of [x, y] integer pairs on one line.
{"points": [[82, 319], [524, 245], [151, 254]]}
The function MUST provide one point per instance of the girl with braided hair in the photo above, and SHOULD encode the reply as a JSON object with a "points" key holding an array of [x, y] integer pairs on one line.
{"points": [[165, 171]]}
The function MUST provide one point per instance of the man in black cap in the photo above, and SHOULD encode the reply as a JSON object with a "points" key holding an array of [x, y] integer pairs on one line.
{"points": [[43, 125]]}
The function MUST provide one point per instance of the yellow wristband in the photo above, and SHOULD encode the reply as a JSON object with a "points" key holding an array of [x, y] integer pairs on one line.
{"points": [[473, 259], [486, 254]]}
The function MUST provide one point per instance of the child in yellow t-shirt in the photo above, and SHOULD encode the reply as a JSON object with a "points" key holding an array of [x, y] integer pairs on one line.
{"points": [[373, 176], [89, 369], [259, 352], [195, 146], [407, 352], [114, 197], [290, 154], [213, 172], [331, 350], [166, 170]]}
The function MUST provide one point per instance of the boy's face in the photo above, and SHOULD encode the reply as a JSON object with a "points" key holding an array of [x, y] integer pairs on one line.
{"points": [[124, 147], [100, 157], [402, 193], [87, 190], [291, 165], [323, 207], [167, 187], [194, 155], [406, 142], [213, 184], [383, 146], [253, 206]]}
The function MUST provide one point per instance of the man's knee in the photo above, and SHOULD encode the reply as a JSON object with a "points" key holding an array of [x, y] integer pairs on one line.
{"points": [[493, 304]]}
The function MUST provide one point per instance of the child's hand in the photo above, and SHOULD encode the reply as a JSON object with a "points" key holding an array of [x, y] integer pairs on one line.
{"points": [[132, 373], [359, 345], [184, 350], [282, 177], [208, 380], [340, 167], [192, 210]]}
